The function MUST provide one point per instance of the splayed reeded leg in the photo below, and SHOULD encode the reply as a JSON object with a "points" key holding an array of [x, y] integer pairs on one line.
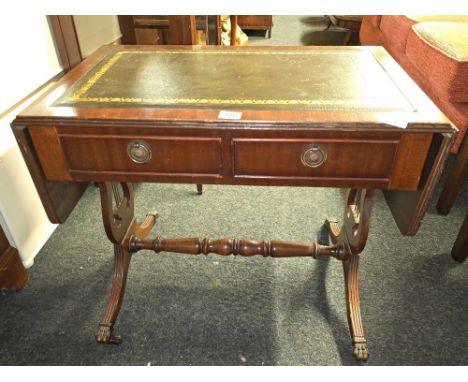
{"points": [[114, 303], [353, 236], [120, 225], [351, 275]]}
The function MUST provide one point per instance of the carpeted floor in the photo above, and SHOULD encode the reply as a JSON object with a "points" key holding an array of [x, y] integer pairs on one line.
{"points": [[301, 30], [214, 310]]}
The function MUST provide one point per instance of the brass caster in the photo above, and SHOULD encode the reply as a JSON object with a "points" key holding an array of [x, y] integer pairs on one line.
{"points": [[104, 336], [360, 351]]}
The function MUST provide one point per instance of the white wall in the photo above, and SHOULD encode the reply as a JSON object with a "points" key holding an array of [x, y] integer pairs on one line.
{"points": [[29, 57], [29, 60], [95, 31]]}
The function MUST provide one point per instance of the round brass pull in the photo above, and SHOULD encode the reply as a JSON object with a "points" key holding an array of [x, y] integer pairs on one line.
{"points": [[313, 156], [139, 151]]}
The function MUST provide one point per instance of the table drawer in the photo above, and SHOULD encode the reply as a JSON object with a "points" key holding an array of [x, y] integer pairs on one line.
{"points": [[302, 158], [164, 155], [67, 156]]}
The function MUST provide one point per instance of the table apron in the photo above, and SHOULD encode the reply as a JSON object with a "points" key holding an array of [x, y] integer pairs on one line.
{"points": [[234, 157]]}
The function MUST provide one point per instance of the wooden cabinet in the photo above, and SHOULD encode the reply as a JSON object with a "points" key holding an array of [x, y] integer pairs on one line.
{"points": [[256, 22], [174, 30], [13, 276]]}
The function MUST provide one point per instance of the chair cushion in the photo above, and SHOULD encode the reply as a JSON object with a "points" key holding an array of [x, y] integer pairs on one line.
{"points": [[395, 28], [439, 50], [421, 18]]}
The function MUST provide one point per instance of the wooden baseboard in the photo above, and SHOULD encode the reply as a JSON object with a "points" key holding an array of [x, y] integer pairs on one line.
{"points": [[13, 275]]}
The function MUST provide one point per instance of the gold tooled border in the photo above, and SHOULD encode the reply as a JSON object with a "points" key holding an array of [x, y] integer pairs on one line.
{"points": [[79, 95], [95, 77]]}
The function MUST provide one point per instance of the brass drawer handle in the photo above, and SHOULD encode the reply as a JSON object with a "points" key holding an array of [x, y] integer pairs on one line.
{"points": [[313, 156], [139, 151]]}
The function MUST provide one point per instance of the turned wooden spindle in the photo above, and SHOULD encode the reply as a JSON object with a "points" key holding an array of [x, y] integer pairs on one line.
{"points": [[240, 247]]}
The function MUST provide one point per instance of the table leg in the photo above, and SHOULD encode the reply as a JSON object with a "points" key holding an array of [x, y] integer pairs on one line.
{"points": [[106, 326], [353, 235], [347, 38], [120, 225]]}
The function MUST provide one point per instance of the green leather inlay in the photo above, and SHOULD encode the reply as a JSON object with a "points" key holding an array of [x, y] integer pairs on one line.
{"points": [[283, 79]]}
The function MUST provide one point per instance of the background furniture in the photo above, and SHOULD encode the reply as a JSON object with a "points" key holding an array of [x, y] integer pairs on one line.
{"points": [[257, 22], [350, 22], [455, 180], [13, 276], [158, 30], [434, 52], [460, 248], [174, 30]]}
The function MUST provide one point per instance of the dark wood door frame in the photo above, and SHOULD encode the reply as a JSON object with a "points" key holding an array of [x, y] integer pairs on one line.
{"points": [[182, 30], [66, 39]]}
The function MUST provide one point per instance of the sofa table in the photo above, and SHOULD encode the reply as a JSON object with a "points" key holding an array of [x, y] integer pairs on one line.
{"points": [[344, 117]]}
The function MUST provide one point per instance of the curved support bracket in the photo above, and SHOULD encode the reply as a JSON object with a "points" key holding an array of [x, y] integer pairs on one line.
{"points": [[357, 218], [117, 209]]}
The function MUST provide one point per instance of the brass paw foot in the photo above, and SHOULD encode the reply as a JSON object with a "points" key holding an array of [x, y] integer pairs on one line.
{"points": [[104, 336], [360, 351], [153, 213]]}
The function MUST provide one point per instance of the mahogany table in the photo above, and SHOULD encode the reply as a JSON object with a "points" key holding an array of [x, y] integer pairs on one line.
{"points": [[271, 116]]}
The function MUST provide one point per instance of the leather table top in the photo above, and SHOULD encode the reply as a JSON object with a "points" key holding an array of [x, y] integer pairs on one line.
{"points": [[298, 80]]}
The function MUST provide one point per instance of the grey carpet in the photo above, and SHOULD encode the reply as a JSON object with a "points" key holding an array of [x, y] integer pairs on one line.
{"points": [[213, 310], [301, 30]]}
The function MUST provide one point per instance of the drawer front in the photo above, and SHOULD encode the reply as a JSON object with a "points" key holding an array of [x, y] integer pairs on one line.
{"points": [[136, 154], [388, 161], [301, 158]]}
